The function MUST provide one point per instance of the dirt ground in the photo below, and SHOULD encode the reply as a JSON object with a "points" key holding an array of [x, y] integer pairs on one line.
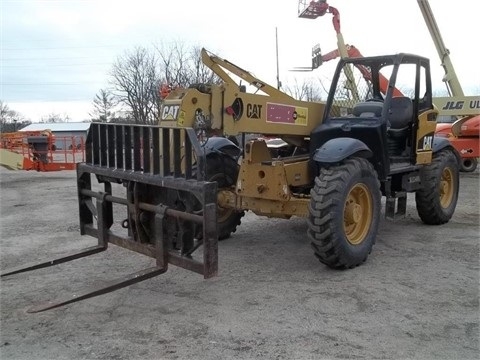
{"points": [[416, 297]]}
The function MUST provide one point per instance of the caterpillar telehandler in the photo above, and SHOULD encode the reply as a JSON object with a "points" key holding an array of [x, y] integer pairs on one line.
{"points": [[184, 185]]}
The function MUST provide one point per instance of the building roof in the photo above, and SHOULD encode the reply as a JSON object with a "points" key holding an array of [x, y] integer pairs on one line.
{"points": [[57, 127]]}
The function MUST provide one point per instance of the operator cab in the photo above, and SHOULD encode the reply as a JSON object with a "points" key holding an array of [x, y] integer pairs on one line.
{"points": [[378, 101]]}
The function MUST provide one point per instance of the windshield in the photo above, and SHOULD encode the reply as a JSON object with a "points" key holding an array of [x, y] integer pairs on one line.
{"points": [[354, 85]]}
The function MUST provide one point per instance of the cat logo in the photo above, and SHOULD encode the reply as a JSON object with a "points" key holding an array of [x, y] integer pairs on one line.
{"points": [[254, 111], [427, 142], [170, 112]]}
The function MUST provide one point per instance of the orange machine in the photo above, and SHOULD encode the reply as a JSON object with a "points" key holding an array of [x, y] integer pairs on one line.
{"points": [[37, 150], [353, 52], [464, 135], [314, 9]]}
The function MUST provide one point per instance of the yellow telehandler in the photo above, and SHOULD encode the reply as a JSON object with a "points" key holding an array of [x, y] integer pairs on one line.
{"points": [[181, 186]]}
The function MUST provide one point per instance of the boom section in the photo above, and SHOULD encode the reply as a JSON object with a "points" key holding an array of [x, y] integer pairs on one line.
{"points": [[228, 108]]}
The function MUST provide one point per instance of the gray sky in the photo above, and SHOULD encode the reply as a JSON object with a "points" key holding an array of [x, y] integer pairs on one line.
{"points": [[56, 54]]}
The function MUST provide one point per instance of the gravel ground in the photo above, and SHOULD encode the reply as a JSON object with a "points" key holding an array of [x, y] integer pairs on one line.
{"points": [[416, 297]]}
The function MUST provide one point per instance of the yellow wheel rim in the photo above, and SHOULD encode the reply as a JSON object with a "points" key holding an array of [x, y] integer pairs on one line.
{"points": [[223, 213], [357, 214], [447, 187]]}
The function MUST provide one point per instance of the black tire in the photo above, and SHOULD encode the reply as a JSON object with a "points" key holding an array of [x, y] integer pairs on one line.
{"points": [[437, 200], [344, 213], [224, 170], [468, 164]]}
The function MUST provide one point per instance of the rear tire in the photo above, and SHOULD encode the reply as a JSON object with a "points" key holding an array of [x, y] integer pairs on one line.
{"points": [[344, 213], [437, 200], [468, 165], [224, 170]]}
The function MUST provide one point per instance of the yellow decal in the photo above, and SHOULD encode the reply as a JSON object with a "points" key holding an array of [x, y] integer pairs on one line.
{"points": [[181, 118], [302, 116]]}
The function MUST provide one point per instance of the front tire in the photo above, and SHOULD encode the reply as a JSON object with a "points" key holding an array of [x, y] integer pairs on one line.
{"points": [[437, 200], [224, 170], [344, 213]]}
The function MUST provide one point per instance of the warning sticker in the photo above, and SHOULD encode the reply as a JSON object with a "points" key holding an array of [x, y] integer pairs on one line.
{"points": [[287, 114]]}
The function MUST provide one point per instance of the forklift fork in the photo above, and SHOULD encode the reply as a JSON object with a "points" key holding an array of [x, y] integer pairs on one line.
{"points": [[112, 158]]}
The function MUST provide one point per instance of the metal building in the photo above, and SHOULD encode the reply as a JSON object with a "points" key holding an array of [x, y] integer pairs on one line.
{"points": [[66, 134]]}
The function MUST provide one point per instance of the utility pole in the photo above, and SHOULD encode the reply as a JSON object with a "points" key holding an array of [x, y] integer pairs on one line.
{"points": [[279, 83]]}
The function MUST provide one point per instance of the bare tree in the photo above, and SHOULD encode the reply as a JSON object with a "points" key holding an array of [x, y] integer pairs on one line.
{"points": [[55, 118], [181, 66], [103, 105], [198, 71], [173, 64], [5, 114], [305, 91], [11, 120], [138, 76], [135, 79]]}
